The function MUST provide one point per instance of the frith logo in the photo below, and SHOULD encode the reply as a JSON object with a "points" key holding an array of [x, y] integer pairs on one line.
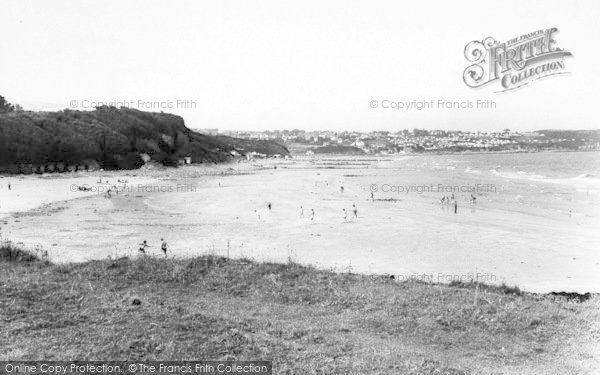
{"points": [[515, 63]]}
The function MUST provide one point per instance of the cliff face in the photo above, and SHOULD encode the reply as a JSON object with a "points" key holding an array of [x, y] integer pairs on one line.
{"points": [[110, 137]]}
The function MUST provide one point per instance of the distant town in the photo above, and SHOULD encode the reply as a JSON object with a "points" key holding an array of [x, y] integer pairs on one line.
{"points": [[421, 140]]}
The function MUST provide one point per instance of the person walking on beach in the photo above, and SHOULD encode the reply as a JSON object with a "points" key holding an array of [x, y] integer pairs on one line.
{"points": [[9, 186], [163, 246], [455, 207], [355, 211], [312, 214], [269, 205], [345, 215], [301, 211], [143, 246]]}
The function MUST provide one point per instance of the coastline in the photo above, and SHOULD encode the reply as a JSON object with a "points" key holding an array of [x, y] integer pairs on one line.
{"points": [[429, 153]]}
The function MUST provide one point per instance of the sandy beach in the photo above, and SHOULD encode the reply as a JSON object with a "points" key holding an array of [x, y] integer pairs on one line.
{"points": [[526, 229]]}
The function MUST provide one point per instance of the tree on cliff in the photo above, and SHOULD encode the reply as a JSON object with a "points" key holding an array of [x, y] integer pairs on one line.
{"points": [[5, 106]]}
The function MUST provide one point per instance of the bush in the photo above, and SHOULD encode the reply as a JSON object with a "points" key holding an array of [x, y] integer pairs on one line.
{"points": [[131, 161], [502, 288], [11, 253]]}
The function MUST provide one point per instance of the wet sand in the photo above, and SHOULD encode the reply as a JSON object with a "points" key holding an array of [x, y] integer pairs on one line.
{"points": [[508, 236]]}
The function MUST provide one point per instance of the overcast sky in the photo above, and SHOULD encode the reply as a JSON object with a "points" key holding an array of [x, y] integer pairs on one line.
{"points": [[303, 64]]}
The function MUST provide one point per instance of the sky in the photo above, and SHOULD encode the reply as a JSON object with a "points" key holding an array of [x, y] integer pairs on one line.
{"points": [[276, 64]]}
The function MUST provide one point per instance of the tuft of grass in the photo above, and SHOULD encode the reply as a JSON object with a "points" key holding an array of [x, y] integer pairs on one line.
{"points": [[12, 253], [501, 289]]}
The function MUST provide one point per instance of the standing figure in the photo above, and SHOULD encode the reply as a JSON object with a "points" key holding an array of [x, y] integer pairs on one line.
{"points": [[163, 246], [143, 246]]}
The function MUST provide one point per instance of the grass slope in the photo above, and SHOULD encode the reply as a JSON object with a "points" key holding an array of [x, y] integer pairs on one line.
{"points": [[305, 320]]}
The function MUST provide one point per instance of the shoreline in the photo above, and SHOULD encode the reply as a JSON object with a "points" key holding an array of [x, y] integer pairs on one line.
{"points": [[238, 161], [430, 153]]}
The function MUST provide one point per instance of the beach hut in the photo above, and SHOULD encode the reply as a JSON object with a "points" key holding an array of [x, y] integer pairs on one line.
{"points": [[11, 169], [50, 167], [60, 167], [25, 169], [145, 157], [90, 165]]}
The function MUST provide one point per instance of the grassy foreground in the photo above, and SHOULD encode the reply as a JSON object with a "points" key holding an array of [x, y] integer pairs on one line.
{"points": [[305, 320]]}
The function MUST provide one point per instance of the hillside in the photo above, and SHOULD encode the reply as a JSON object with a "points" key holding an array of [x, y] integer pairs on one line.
{"points": [[305, 320], [112, 138]]}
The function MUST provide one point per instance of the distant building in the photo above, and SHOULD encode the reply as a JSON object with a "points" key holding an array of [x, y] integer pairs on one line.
{"points": [[212, 132]]}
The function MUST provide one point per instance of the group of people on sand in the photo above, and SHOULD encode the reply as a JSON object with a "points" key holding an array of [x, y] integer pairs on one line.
{"points": [[354, 213], [144, 245], [344, 213], [452, 202], [311, 216], [257, 213], [108, 193]]}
